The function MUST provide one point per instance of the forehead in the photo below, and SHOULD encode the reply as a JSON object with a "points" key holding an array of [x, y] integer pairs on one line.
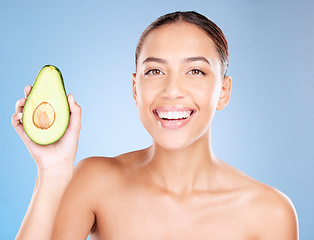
{"points": [[177, 41]]}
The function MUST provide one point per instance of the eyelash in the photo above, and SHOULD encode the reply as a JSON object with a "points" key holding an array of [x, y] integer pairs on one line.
{"points": [[151, 72], [200, 72]]}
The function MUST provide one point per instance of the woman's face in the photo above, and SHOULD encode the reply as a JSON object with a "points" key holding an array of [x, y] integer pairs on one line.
{"points": [[178, 85]]}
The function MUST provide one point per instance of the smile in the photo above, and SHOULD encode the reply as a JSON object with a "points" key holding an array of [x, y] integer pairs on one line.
{"points": [[173, 117]]}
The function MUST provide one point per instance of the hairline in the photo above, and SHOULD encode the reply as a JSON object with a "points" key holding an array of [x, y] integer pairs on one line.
{"points": [[224, 62]]}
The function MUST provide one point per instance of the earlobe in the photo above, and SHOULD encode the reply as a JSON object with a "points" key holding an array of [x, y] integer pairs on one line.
{"points": [[225, 93], [134, 88]]}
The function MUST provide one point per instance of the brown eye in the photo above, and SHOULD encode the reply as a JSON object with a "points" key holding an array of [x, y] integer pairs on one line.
{"points": [[154, 72], [196, 72]]}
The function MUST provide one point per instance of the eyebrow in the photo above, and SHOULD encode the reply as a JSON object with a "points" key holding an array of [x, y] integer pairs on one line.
{"points": [[186, 60], [154, 59], [198, 58]]}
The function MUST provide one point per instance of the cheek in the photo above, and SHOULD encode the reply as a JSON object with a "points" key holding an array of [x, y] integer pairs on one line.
{"points": [[207, 95], [147, 91], [144, 96], [145, 99]]}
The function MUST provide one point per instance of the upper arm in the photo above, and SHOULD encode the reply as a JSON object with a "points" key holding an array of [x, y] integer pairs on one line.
{"points": [[75, 217], [278, 218]]}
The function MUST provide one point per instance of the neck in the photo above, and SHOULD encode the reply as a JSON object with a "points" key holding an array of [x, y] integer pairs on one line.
{"points": [[185, 170]]}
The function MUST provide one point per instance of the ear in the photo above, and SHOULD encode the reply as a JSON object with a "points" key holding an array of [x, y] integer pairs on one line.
{"points": [[134, 88], [225, 93]]}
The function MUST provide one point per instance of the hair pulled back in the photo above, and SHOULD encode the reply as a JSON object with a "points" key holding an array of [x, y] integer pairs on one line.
{"points": [[200, 21]]}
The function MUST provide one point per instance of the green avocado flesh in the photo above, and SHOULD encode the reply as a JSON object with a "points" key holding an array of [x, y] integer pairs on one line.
{"points": [[46, 111]]}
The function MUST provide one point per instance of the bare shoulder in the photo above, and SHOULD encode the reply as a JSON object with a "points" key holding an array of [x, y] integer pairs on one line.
{"points": [[92, 176], [277, 218], [96, 171], [269, 212], [105, 170], [96, 165]]}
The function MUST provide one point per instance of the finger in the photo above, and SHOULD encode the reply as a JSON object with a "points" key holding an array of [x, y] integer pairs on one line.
{"points": [[16, 122], [27, 90], [18, 126], [16, 119], [75, 114], [71, 135], [19, 105]]}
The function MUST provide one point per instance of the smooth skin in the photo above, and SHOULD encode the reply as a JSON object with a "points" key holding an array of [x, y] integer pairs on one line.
{"points": [[175, 189]]}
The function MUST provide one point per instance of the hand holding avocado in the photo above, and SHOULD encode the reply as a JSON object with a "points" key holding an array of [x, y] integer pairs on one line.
{"points": [[51, 121]]}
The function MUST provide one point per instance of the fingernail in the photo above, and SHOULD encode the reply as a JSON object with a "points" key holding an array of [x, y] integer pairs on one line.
{"points": [[19, 115]]}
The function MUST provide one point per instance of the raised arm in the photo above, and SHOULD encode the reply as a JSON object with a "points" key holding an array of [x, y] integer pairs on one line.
{"points": [[55, 168]]}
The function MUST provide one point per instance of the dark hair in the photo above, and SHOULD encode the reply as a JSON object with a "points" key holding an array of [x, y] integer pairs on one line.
{"points": [[202, 22]]}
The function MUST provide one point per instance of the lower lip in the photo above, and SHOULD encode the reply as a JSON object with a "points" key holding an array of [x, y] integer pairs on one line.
{"points": [[173, 124]]}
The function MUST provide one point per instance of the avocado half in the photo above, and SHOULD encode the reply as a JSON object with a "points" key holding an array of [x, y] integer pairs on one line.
{"points": [[46, 111]]}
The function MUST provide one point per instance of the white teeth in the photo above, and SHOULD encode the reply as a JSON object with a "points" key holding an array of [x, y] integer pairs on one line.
{"points": [[174, 114]]}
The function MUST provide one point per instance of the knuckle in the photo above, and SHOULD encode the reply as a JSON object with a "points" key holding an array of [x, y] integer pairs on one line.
{"points": [[12, 120], [79, 109]]}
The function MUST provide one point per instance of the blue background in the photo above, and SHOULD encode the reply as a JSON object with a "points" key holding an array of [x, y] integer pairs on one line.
{"points": [[266, 130]]}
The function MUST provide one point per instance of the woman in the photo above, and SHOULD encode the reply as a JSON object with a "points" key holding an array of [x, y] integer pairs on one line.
{"points": [[175, 189]]}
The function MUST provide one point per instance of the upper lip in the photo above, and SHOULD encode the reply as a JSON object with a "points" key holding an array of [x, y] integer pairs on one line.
{"points": [[172, 108]]}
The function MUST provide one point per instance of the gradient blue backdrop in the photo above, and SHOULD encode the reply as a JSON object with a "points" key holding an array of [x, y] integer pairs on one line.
{"points": [[266, 130]]}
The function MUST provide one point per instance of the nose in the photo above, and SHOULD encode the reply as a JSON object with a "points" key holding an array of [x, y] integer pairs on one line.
{"points": [[174, 88]]}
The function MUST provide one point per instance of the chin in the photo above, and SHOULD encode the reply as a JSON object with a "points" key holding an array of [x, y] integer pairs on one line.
{"points": [[174, 144]]}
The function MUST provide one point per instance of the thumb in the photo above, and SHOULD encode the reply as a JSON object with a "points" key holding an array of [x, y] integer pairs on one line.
{"points": [[75, 114]]}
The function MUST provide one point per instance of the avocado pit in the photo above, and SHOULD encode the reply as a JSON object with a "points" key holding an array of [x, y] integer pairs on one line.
{"points": [[44, 116]]}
